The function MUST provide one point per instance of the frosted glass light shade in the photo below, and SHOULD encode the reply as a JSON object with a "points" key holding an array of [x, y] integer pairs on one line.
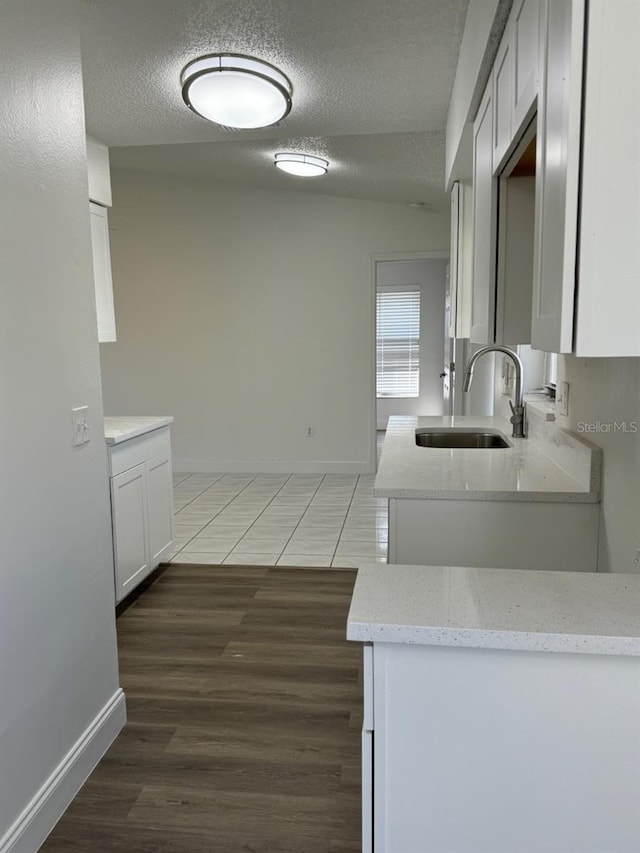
{"points": [[302, 165], [236, 91]]}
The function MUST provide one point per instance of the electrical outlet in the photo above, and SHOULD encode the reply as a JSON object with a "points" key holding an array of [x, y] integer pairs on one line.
{"points": [[308, 431], [80, 426], [562, 398]]}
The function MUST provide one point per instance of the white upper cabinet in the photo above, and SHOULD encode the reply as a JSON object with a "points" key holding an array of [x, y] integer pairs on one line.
{"points": [[525, 41], [587, 251], [484, 225], [459, 319], [99, 181], [98, 172], [102, 273], [502, 100], [515, 79], [608, 305], [557, 176]]}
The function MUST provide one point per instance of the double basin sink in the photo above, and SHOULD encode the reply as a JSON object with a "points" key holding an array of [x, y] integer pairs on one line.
{"points": [[453, 437]]}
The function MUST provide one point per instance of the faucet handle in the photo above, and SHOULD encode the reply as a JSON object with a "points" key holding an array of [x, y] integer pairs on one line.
{"points": [[518, 420]]}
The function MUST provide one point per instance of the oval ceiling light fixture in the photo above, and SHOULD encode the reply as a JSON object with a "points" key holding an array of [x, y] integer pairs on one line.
{"points": [[236, 91], [302, 165]]}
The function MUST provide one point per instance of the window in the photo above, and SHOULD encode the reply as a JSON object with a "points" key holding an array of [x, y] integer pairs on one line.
{"points": [[397, 341]]}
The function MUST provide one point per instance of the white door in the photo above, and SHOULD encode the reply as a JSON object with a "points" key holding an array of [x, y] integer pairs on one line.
{"points": [[426, 279]]}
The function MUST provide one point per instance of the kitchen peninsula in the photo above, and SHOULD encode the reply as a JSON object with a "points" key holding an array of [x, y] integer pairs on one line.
{"points": [[141, 483], [531, 505], [501, 709]]}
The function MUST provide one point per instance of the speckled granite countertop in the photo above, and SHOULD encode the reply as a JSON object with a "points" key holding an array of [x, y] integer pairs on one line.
{"points": [[552, 464], [117, 430], [574, 612]]}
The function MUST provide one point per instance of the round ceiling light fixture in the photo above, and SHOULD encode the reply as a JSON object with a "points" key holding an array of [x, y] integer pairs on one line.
{"points": [[236, 91], [302, 165]]}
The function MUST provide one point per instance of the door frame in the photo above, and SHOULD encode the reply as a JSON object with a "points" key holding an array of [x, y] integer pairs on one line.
{"points": [[373, 261]]}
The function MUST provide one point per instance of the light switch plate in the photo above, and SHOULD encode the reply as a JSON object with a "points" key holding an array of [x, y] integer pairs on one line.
{"points": [[80, 425]]}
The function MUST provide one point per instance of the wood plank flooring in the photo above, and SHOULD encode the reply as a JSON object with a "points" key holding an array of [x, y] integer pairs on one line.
{"points": [[244, 707]]}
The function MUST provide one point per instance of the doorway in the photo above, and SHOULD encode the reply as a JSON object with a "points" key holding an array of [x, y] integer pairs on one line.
{"points": [[409, 335]]}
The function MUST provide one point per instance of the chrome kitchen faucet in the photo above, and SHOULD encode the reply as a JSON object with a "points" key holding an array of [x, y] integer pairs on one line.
{"points": [[518, 416]]}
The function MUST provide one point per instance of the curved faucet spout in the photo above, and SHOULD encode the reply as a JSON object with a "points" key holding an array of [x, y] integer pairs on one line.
{"points": [[518, 417]]}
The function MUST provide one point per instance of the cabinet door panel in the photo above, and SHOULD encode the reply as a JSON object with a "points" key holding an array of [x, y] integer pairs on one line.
{"points": [[502, 101], [102, 273], [557, 173], [159, 507], [484, 226], [608, 322], [130, 540], [525, 39]]}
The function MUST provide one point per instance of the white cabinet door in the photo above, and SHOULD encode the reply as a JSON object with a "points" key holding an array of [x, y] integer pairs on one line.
{"points": [[502, 100], [608, 321], [459, 321], [557, 175], [102, 273], [159, 507], [451, 301], [130, 536], [484, 226], [525, 39], [515, 79]]}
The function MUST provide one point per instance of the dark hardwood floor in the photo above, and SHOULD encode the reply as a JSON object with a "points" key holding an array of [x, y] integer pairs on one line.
{"points": [[244, 708]]}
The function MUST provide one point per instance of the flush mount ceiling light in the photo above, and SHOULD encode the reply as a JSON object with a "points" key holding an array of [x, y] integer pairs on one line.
{"points": [[236, 91], [302, 165]]}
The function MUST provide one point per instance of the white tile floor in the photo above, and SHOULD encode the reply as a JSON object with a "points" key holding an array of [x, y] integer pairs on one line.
{"points": [[278, 519]]}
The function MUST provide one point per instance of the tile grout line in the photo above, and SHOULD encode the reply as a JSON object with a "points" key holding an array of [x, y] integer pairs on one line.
{"points": [[333, 557], [252, 525], [195, 535]]}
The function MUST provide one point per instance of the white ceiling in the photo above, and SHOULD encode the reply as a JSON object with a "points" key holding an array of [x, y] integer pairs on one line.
{"points": [[372, 81]]}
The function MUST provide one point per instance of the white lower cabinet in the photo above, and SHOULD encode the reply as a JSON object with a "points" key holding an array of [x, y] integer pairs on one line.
{"points": [[477, 749], [141, 507]]}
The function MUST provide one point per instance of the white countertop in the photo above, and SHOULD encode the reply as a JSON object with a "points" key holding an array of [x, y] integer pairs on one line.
{"points": [[573, 612], [117, 430], [552, 464]]}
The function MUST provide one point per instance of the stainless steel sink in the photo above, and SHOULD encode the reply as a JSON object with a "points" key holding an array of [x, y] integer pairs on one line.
{"points": [[444, 437]]}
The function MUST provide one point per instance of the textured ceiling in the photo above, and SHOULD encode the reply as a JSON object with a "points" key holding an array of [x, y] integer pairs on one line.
{"points": [[372, 81]]}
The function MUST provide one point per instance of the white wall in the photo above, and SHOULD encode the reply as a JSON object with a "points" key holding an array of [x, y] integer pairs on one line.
{"points": [[249, 315], [58, 664], [430, 274], [602, 392]]}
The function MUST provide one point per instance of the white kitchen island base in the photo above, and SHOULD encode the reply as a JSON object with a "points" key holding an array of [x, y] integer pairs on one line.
{"points": [[501, 710], [492, 751], [494, 534]]}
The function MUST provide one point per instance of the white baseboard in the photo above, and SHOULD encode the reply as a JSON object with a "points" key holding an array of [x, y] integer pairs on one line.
{"points": [[208, 466], [39, 817]]}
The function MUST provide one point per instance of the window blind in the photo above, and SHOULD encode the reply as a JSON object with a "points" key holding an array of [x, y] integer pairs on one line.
{"points": [[397, 341]]}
